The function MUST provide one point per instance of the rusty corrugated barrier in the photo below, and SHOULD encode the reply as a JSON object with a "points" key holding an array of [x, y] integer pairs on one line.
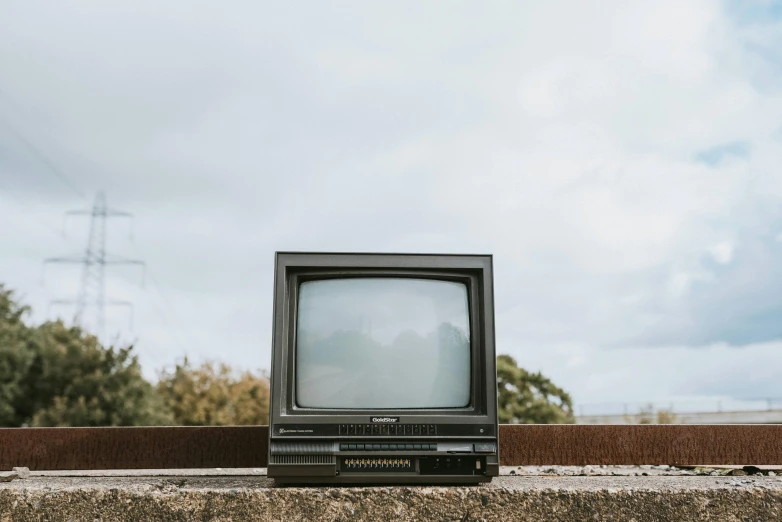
{"points": [[682, 445], [134, 447], [246, 446]]}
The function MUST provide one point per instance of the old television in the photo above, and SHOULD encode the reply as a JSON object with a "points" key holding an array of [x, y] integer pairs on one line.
{"points": [[383, 369]]}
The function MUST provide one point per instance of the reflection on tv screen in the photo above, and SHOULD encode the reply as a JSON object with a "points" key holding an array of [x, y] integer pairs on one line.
{"points": [[382, 343]]}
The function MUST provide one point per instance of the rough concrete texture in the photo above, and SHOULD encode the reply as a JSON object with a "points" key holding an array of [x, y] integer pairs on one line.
{"points": [[228, 495]]}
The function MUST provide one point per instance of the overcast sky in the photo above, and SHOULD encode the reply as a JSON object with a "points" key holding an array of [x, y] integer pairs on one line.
{"points": [[621, 160]]}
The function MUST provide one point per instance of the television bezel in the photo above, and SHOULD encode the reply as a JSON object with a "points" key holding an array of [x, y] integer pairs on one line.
{"points": [[293, 268]]}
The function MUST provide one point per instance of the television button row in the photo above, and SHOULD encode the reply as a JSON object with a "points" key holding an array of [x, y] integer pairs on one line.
{"points": [[388, 447], [387, 429]]}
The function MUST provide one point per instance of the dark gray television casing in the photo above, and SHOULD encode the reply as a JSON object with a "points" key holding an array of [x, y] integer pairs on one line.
{"points": [[383, 446]]}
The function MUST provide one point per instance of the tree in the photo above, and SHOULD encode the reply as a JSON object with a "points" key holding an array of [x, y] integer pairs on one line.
{"points": [[53, 375], [529, 398], [213, 395], [647, 415], [75, 381], [15, 358]]}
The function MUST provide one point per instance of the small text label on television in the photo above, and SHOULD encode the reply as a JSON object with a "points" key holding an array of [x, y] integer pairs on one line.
{"points": [[384, 419]]}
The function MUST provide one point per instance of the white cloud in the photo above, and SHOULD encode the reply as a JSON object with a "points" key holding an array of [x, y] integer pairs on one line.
{"points": [[722, 252]]}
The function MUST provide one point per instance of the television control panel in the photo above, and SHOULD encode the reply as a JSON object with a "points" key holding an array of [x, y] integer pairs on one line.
{"points": [[383, 430], [380, 461], [388, 429]]}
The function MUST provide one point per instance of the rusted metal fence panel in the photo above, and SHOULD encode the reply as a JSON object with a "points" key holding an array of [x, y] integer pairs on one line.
{"points": [[134, 447], [682, 445], [246, 446]]}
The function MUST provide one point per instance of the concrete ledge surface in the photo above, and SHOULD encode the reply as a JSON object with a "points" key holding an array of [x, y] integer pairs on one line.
{"points": [[232, 496]]}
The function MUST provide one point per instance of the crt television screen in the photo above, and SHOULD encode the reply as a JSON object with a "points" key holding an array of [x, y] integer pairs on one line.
{"points": [[382, 342]]}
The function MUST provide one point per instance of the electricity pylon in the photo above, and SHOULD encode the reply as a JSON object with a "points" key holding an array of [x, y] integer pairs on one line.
{"points": [[94, 260]]}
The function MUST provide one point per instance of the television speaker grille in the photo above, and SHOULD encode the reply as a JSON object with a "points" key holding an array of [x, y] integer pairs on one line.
{"points": [[290, 448], [302, 459]]}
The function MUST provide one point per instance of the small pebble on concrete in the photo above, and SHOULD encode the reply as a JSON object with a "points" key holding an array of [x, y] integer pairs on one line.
{"points": [[8, 476], [23, 472]]}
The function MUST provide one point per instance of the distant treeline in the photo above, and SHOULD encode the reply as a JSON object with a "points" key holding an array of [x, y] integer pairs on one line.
{"points": [[57, 375]]}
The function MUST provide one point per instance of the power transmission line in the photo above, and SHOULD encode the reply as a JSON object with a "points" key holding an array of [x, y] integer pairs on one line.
{"points": [[93, 262], [43, 158], [36, 151], [164, 316], [173, 332], [22, 206]]}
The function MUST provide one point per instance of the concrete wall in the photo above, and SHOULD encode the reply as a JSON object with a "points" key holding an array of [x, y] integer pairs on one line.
{"points": [[187, 497]]}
